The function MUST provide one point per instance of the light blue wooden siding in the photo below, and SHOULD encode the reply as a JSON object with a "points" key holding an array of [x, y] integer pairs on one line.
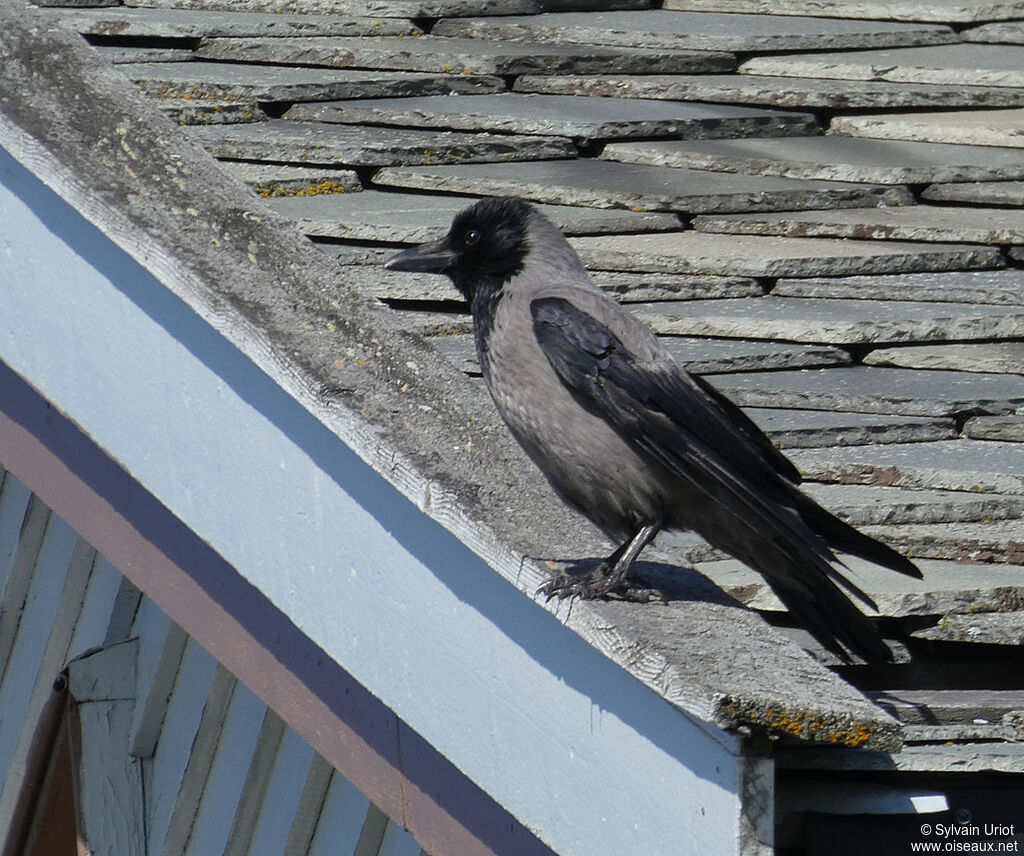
{"points": [[219, 772]]}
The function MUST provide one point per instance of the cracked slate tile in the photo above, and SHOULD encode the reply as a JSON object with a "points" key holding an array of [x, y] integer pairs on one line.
{"points": [[410, 218], [902, 223], [1010, 428], [958, 64], [662, 29], [976, 466], [987, 286], [831, 158], [837, 322], [606, 184], [461, 56], [563, 115], [789, 93], [279, 83], [179, 23], [974, 128], [941, 11], [1009, 193], [313, 143], [1000, 357], [879, 389], [701, 252], [947, 587]]}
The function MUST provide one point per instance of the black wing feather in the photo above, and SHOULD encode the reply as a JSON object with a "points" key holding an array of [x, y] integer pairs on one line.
{"points": [[590, 360], [696, 433]]}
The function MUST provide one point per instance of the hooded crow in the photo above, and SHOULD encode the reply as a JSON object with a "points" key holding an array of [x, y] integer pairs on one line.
{"points": [[631, 440]]}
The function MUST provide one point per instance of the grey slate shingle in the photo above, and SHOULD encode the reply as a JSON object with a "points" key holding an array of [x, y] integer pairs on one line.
{"points": [[123, 54], [563, 115], [974, 466], [703, 252], [832, 158], [280, 83], [990, 628], [959, 64], [698, 31], [789, 93], [838, 322], [1010, 428], [987, 286], [1000, 357], [614, 185], [1007, 33], [461, 56], [210, 111], [629, 287], [944, 11], [313, 143], [811, 429], [906, 223], [182, 23], [382, 8], [878, 389], [410, 218], [273, 180], [977, 192], [980, 128]]}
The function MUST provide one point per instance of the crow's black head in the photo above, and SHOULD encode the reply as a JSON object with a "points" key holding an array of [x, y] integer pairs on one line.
{"points": [[486, 245]]}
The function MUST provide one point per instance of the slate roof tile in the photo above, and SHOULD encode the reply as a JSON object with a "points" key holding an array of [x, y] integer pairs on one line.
{"points": [[831, 158], [659, 28], [563, 115], [981, 128], [587, 181], [790, 93], [278, 83], [906, 223], [944, 11], [459, 56], [953, 64]]}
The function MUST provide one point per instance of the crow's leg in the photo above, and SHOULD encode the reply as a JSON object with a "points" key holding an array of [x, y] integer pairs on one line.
{"points": [[610, 576]]}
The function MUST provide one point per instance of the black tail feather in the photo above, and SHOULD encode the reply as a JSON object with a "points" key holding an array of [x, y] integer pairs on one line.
{"points": [[841, 536], [831, 618]]}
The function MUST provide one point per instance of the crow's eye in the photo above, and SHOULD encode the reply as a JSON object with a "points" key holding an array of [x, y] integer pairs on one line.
{"points": [[471, 237]]}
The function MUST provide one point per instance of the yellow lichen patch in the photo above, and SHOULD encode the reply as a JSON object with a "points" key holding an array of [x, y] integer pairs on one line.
{"points": [[320, 188], [855, 736], [807, 725]]}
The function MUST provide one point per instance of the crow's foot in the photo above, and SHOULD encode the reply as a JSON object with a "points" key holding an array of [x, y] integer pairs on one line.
{"points": [[599, 583]]}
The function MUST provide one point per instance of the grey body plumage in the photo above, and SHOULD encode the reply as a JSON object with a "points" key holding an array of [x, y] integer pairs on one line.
{"points": [[628, 438]]}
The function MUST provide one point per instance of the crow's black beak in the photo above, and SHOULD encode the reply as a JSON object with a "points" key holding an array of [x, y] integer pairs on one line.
{"points": [[434, 257]]}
